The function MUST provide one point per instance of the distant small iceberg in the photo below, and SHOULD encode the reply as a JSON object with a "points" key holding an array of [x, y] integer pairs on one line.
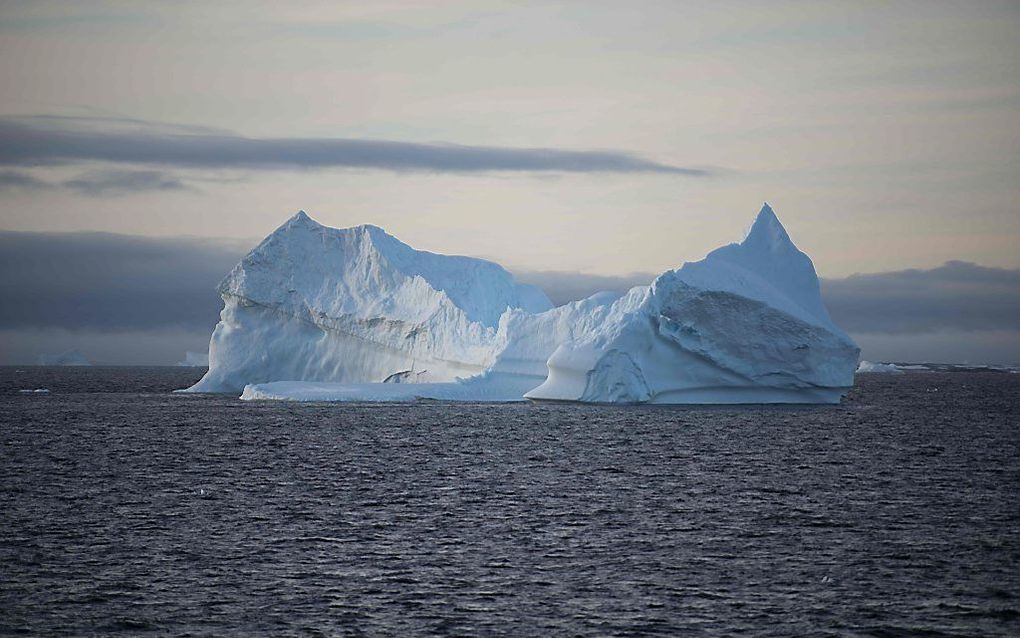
{"points": [[869, 366], [195, 360], [69, 358]]}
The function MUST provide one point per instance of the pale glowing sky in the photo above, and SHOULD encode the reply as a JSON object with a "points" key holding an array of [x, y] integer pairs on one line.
{"points": [[885, 135]]}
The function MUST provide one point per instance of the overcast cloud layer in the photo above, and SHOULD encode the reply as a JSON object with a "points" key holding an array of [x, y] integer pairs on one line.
{"points": [[97, 284], [884, 134], [955, 296], [100, 281], [41, 141]]}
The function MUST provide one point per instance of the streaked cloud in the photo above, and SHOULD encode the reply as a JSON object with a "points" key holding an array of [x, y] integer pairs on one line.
{"points": [[17, 180], [114, 182], [99, 183], [40, 141]]}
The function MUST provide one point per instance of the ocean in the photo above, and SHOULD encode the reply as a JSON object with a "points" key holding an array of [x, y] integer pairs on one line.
{"points": [[128, 510]]}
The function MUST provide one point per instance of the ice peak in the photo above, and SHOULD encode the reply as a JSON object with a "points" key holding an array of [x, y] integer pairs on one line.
{"points": [[301, 218], [380, 240], [371, 230], [768, 256], [767, 230]]}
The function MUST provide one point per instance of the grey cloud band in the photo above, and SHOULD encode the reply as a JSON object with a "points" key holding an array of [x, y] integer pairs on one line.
{"points": [[40, 141]]}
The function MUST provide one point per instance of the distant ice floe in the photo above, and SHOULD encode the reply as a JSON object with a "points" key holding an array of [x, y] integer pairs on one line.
{"points": [[323, 314], [900, 368], [868, 366]]}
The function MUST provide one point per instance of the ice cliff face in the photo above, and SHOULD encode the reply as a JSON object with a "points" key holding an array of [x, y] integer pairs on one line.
{"points": [[356, 311]]}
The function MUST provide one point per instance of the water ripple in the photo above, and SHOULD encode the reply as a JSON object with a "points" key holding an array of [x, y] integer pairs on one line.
{"points": [[126, 510]]}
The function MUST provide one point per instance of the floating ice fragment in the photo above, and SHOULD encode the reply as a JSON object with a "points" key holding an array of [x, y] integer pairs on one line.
{"points": [[868, 366]]}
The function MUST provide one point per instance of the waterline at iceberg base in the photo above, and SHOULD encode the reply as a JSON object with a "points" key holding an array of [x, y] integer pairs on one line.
{"points": [[323, 314]]}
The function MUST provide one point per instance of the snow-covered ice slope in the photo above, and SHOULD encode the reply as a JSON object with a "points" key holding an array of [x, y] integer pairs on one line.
{"points": [[356, 305], [348, 310]]}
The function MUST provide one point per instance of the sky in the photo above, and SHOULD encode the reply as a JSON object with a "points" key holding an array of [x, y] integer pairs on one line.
{"points": [[583, 145]]}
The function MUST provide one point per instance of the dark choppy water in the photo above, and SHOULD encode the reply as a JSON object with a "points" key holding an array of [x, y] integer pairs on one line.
{"points": [[127, 510]]}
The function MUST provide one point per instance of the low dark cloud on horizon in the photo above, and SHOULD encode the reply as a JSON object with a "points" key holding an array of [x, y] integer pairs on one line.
{"points": [[32, 141], [18, 180], [955, 296], [98, 283], [103, 281]]}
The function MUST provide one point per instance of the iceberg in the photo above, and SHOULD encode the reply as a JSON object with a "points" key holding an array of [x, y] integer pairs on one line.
{"points": [[69, 358], [323, 314]]}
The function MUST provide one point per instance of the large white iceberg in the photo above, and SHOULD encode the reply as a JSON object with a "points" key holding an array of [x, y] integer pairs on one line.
{"points": [[316, 313]]}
